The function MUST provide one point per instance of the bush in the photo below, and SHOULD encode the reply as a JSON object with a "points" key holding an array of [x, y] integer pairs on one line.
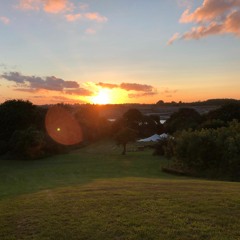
{"points": [[27, 144], [212, 153]]}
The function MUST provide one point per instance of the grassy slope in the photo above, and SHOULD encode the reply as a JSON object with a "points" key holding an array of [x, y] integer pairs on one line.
{"points": [[113, 197], [79, 167]]}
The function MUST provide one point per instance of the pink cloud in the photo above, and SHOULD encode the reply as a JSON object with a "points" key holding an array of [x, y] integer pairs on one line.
{"points": [[29, 4], [73, 17], [210, 10], [94, 16], [213, 17], [173, 38], [5, 20], [232, 23], [50, 6]]}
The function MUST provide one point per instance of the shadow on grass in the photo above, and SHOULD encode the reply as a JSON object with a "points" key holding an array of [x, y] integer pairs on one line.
{"points": [[98, 161]]}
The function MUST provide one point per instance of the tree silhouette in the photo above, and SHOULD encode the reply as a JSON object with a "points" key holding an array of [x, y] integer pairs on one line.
{"points": [[124, 136]]}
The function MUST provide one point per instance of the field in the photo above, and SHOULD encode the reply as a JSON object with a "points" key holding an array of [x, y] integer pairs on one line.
{"points": [[96, 193]]}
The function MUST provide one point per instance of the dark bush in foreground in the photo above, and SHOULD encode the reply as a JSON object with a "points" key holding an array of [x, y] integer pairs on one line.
{"points": [[27, 144], [212, 153]]}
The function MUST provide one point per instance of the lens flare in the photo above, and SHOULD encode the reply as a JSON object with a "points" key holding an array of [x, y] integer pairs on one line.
{"points": [[62, 127]]}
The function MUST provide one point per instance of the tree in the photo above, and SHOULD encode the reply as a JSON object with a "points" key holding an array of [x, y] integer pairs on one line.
{"points": [[124, 136], [16, 115], [185, 118], [133, 118], [226, 113]]}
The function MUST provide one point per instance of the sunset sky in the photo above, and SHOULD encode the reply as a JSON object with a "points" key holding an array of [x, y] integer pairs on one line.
{"points": [[112, 51]]}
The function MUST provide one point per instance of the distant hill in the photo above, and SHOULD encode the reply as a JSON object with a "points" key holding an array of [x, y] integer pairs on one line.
{"points": [[209, 102]]}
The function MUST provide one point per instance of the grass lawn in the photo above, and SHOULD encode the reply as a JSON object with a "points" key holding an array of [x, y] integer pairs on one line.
{"points": [[95, 193]]}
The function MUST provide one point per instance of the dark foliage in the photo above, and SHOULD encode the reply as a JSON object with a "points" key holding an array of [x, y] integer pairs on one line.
{"points": [[225, 113], [185, 118], [145, 126], [124, 136], [213, 153], [16, 115]]}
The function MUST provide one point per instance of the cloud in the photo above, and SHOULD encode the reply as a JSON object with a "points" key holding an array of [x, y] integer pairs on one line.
{"points": [[29, 4], [13, 76], [107, 85], [169, 93], [4, 20], [66, 9], [132, 95], [213, 17], [96, 17], [73, 17], [56, 6], [34, 84], [142, 89], [79, 92], [136, 87], [49, 6], [173, 38]]}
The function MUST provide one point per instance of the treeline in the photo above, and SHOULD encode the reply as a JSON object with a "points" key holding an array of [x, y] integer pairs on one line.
{"points": [[209, 102], [201, 145], [204, 145], [27, 131], [23, 133]]}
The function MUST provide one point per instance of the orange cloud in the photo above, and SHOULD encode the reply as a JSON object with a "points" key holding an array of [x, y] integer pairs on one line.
{"points": [[50, 6], [213, 17], [210, 10], [107, 85], [56, 6]]}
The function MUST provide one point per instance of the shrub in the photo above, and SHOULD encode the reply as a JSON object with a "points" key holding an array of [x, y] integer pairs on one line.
{"points": [[27, 144], [213, 153]]}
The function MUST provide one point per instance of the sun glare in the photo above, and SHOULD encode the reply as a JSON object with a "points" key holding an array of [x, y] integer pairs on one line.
{"points": [[102, 97]]}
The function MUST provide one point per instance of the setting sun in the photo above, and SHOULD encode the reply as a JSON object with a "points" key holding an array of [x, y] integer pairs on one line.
{"points": [[102, 97]]}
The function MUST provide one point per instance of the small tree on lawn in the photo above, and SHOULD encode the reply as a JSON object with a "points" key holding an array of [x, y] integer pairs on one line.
{"points": [[124, 136]]}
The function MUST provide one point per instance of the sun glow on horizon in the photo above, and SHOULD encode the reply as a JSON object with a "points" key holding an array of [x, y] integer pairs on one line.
{"points": [[103, 97]]}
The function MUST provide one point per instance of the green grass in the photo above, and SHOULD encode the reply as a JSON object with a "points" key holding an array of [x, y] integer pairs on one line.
{"points": [[95, 193], [98, 161]]}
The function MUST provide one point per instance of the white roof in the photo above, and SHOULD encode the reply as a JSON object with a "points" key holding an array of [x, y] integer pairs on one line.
{"points": [[154, 138]]}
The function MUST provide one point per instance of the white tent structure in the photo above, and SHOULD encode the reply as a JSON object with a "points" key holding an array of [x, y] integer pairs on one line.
{"points": [[154, 138]]}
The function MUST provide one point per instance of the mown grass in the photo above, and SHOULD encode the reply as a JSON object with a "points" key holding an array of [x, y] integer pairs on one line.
{"points": [[95, 193], [100, 160], [126, 209]]}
